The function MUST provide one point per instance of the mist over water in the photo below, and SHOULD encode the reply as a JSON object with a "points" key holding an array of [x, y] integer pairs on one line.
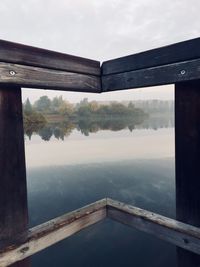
{"points": [[71, 166]]}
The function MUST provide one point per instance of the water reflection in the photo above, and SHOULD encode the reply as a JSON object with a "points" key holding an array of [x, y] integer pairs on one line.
{"points": [[146, 184], [63, 129], [128, 159]]}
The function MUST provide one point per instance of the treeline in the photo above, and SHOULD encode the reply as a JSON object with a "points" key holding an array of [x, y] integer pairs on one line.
{"points": [[154, 106], [58, 117], [45, 107]]}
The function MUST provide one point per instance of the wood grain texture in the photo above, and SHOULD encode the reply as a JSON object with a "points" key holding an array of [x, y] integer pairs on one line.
{"points": [[187, 147], [183, 51], [13, 196], [168, 74], [33, 77], [37, 57], [53, 231], [177, 233]]}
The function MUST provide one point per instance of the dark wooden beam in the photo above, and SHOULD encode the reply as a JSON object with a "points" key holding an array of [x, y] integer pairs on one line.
{"points": [[13, 196], [37, 57], [167, 74], [183, 51], [187, 139], [34, 77]]}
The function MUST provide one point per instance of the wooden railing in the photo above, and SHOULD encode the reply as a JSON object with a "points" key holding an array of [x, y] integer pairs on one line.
{"points": [[30, 67], [53, 231]]}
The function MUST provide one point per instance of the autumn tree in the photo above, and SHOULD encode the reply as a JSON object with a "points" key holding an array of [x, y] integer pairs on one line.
{"points": [[66, 109], [43, 104]]}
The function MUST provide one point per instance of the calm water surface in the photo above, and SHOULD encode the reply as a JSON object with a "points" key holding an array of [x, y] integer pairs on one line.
{"points": [[135, 166]]}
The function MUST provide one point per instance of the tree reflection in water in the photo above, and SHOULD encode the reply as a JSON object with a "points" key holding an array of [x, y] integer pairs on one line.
{"points": [[61, 130]]}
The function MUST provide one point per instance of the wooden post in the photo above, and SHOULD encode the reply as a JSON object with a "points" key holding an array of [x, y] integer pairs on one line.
{"points": [[13, 190], [187, 140]]}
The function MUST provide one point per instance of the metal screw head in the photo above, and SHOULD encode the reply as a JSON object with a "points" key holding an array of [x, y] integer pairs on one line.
{"points": [[12, 72], [183, 72]]}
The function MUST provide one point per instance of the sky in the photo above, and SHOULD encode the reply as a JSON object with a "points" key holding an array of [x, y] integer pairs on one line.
{"points": [[100, 30]]}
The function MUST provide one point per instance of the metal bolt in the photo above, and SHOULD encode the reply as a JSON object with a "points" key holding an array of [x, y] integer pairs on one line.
{"points": [[12, 72], [183, 72]]}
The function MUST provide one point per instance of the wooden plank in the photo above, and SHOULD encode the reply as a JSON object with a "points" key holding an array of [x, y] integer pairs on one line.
{"points": [[183, 51], [13, 196], [33, 77], [187, 144], [49, 233], [37, 57], [177, 233], [168, 74]]}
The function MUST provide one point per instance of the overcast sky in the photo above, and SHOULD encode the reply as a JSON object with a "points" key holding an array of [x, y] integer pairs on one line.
{"points": [[100, 29]]}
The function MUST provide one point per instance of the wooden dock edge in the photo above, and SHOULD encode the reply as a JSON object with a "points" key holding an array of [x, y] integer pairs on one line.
{"points": [[175, 232], [53, 231]]}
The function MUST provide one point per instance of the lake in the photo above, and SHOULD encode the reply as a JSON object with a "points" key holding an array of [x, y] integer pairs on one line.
{"points": [[69, 167]]}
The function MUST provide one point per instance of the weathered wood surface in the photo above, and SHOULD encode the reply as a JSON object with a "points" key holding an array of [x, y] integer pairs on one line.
{"points": [[37, 57], [168, 74], [26, 55], [187, 144], [13, 196], [183, 51], [34, 77], [47, 234], [39, 68], [177, 233]]}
